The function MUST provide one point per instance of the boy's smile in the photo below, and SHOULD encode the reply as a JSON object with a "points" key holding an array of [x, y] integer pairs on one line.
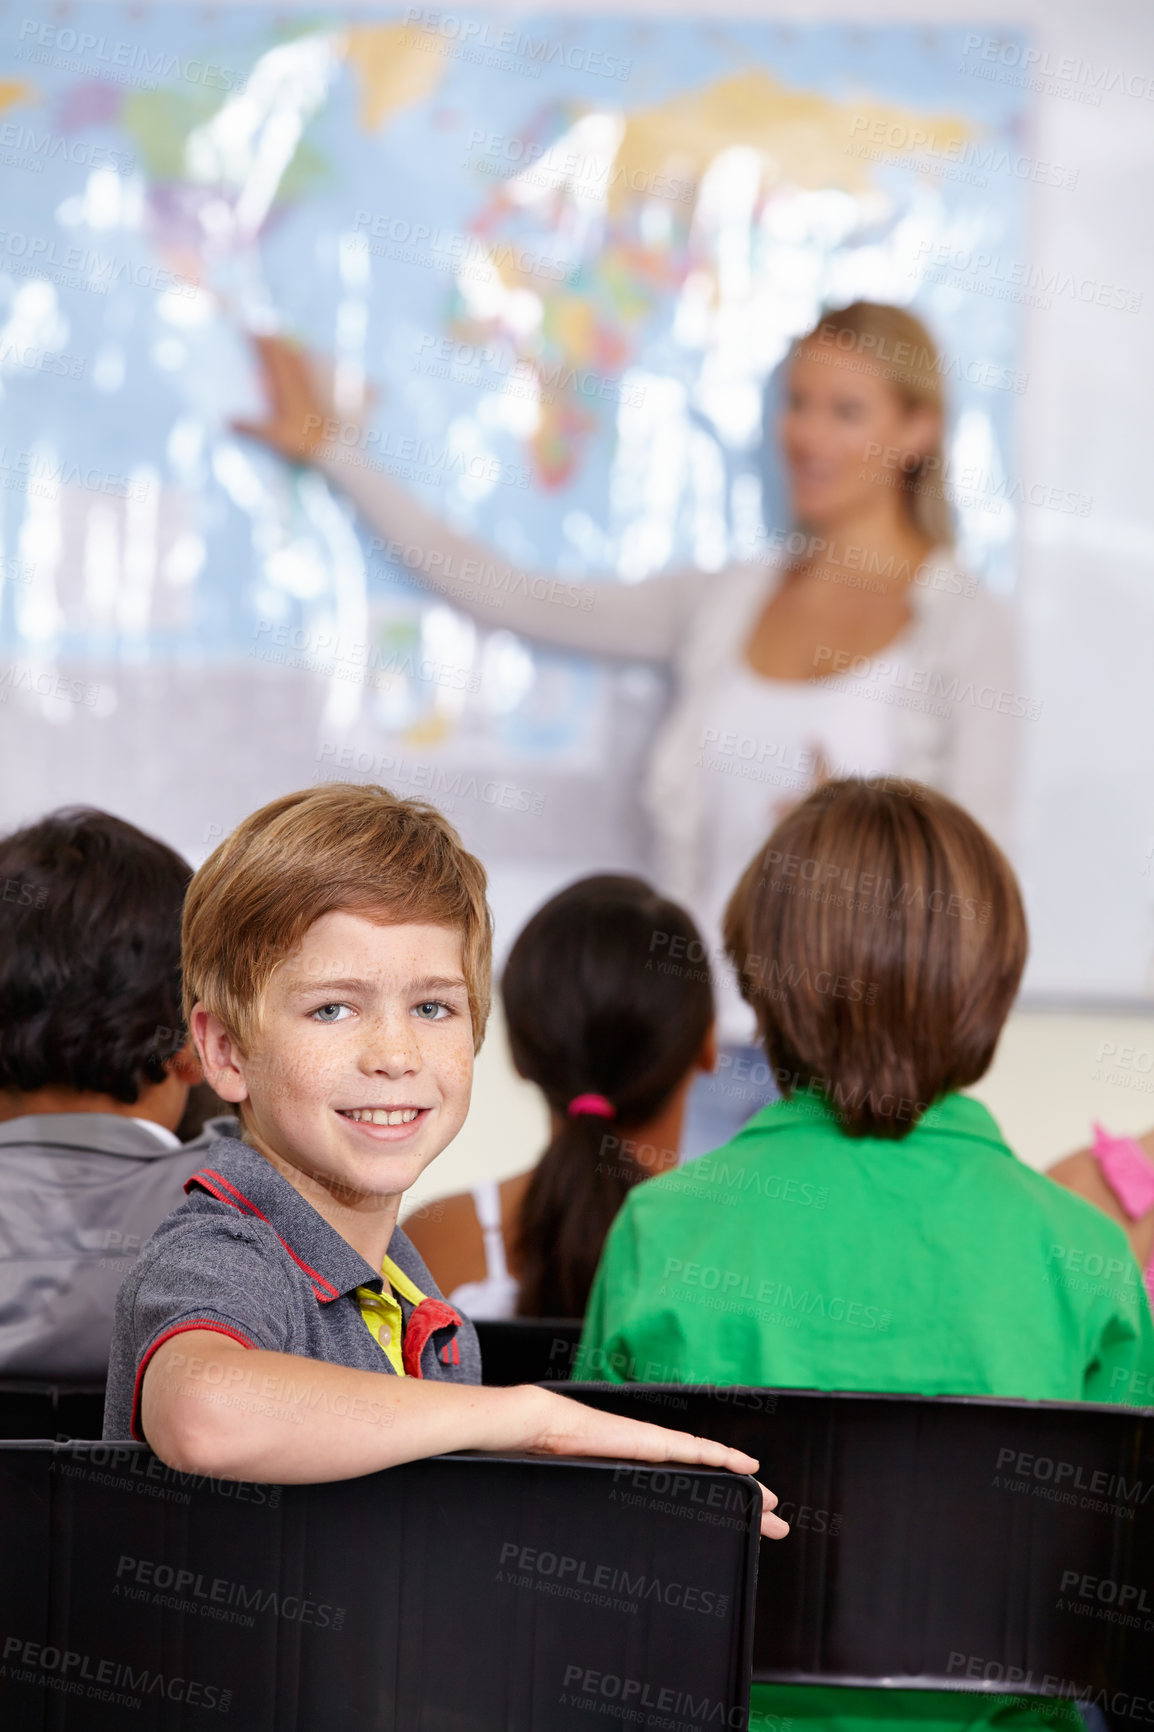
{"points": [[360, 1071], [395, 1118]]}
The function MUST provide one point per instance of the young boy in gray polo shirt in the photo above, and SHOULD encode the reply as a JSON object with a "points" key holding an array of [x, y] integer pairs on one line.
{"points": [[337, 958]]}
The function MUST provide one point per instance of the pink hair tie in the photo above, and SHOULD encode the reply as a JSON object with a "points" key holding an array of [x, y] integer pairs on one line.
{"points": [[595, 1106]]}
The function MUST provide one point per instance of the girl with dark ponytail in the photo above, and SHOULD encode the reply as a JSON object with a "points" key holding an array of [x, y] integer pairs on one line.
{"points": [[609, 1011]]}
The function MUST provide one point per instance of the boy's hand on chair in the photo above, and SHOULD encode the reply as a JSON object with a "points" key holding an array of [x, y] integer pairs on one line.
{"points": [[562, 1426]]}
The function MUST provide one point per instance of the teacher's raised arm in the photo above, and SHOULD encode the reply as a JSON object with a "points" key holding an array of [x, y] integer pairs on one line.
{"points": [[636, 621]]}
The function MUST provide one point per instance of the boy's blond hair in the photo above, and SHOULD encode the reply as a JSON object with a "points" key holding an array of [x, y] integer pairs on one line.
{"points": [[347, 846]]}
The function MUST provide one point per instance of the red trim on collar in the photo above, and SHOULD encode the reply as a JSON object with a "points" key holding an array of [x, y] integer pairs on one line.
{"points": [[237, 1198], [426, 1318], [209, 1180], [177, 1329]]}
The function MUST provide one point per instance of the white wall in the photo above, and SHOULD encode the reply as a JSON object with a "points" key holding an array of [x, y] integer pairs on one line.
{"points": [[1047, 1085]]}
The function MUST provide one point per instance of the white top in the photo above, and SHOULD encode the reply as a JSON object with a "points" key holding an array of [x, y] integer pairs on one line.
{"points": [[767, 744], [496, 1295], [957, 707], [160, 1132]]}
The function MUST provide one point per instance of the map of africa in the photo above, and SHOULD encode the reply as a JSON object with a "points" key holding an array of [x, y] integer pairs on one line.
{"points": [[563, 257]]}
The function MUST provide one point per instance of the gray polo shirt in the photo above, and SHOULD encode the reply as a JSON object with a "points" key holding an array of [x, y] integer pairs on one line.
{"points": [[247, 1255], [79, 1195]]}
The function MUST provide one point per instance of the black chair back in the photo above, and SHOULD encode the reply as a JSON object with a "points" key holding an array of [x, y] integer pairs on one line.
{"points": [[527, 1349], [941, 1541], [29, 1408], [461, 1594]]}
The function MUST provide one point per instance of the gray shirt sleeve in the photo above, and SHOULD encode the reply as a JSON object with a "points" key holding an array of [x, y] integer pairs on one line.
{"points": [[197, 1272]]}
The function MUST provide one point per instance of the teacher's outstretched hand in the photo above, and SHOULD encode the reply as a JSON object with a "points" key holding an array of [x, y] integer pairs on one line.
{"points": [[298, 403]]}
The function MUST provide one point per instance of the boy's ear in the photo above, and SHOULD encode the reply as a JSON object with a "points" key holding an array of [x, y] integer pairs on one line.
{"points": [[219, 1054], [707, 1057]]}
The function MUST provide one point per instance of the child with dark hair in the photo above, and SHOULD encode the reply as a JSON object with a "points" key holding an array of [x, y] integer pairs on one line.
{"points": [[95, 1074], [609, 1010], [872, 1230]]}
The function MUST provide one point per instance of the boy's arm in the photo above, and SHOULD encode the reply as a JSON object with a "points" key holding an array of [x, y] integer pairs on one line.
{"points": [[211, 1406]]}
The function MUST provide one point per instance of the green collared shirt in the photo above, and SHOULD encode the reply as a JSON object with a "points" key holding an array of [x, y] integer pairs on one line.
{"points": [[798, 1257]]}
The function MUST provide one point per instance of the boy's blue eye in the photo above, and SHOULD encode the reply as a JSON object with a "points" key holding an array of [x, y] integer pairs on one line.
{"points": [[329, 1013], [432, 1010]]}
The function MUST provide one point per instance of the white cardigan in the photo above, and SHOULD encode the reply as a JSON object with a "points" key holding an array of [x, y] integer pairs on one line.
{"points": [[698, 623], [969, 754]]}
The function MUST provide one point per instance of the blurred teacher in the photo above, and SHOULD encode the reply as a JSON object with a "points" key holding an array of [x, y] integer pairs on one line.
{"points": [[858, 647]]}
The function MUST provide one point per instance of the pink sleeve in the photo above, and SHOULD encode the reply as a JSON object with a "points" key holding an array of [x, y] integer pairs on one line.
{"points": [[1129, 1172], [1127, 1169]]}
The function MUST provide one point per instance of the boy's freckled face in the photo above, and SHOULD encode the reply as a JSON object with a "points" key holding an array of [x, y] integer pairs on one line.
{"points": [[361, 1070]]}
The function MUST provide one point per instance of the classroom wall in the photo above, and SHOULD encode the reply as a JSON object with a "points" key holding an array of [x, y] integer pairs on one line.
{"points": [[1047, 1085]]}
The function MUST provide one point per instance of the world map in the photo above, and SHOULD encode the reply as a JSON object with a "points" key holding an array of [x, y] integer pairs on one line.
{"points": [[559, 259]]}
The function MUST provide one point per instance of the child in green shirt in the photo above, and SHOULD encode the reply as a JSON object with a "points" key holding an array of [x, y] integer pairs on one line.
{"points": [[872, 1230]]}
